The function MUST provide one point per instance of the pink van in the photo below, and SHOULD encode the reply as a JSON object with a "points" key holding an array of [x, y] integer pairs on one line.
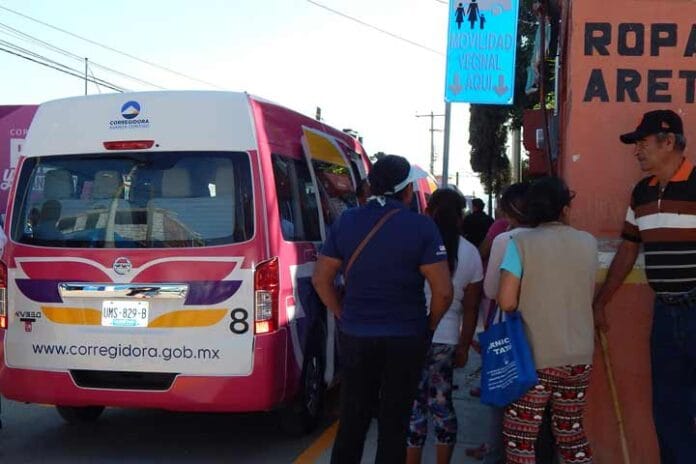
{"points": [[160, 251]]}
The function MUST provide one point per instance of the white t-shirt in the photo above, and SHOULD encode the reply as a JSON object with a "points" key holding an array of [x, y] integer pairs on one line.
{"points": [[469, 270], [498, 247]]}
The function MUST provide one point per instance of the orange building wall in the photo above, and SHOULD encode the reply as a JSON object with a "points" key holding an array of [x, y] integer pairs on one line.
{"points": [[603, 171]]}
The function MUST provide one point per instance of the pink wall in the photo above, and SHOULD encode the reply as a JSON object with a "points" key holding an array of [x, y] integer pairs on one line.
{"points": [[623, 58]]}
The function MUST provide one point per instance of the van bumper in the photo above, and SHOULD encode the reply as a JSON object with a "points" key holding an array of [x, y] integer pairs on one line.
{"points": [[262, 390]]}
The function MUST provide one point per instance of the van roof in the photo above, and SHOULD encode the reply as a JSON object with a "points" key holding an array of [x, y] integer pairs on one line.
{"points": [[175, 120]]}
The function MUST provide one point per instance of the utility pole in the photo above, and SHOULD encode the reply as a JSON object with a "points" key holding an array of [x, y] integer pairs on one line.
{"points": [[432, 117], [86, 70], [445, 151]]}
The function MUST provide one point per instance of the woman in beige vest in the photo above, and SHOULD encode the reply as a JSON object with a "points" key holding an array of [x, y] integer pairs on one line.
{"points": [[548, 275]]}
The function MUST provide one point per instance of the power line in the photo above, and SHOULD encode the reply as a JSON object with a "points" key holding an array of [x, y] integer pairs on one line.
{"points": [[391, 34], [27, 52], [75, 73], [127, 76], [4, 28], [98, 88], [54, 63], [106, 47], [63, 69]]}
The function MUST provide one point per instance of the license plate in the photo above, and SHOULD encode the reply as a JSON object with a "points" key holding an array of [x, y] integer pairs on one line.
{"points": [[125, 313]]}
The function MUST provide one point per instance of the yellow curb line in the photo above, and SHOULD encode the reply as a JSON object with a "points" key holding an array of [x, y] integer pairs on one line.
{"points": [[321, 444]]}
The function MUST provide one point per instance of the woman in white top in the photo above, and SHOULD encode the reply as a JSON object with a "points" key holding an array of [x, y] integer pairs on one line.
{"points": [[451, 340]]}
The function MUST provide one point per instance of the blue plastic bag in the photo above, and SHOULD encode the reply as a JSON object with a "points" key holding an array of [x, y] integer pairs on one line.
{"points": [[507, 365]]}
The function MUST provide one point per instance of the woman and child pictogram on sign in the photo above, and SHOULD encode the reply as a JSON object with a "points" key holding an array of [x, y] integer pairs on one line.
{"points": [[474, 14]]}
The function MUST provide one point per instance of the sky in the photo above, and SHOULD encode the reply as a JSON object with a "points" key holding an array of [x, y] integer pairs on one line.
{"points": [[292, 52]]}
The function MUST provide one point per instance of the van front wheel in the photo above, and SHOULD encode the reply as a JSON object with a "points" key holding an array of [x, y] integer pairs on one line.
{"points": [[80, 415]]}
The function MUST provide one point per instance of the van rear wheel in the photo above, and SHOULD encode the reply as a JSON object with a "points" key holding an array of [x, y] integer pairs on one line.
{"points": [[303, 414], [80, 414]]}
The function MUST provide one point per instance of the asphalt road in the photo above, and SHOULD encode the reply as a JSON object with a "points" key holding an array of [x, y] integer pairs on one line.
{"points": [[37, 434]]}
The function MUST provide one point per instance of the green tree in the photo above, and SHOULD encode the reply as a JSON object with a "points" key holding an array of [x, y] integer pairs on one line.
{"points": [[488, 137]]}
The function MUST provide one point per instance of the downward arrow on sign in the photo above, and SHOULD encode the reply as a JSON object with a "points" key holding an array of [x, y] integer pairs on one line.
{"points": [[501, 88], [455, 86]]}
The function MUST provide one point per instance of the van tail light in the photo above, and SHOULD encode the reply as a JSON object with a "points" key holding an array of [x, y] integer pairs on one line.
{"points": [[129, 144], [266, 290], [3, 295]]}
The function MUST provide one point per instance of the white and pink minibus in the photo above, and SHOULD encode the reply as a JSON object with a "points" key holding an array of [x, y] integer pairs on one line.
{"points": [[160, 251]]}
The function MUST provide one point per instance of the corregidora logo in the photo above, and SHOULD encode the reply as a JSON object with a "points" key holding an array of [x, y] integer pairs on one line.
{"points": [[130, 112]]}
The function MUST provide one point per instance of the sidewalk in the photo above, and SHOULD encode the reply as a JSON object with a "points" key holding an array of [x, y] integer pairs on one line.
{"points": [[472, 415]]}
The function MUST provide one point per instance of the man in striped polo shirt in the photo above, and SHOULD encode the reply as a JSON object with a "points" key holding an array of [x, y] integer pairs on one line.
{"points": [[662, 216]]}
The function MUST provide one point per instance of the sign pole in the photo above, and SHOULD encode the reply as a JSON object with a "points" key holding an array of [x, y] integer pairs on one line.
{"points": [[445, 151], [516, 159]]}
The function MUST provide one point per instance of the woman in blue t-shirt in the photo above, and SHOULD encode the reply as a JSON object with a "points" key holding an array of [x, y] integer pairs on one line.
{"points": [[383, 321]]}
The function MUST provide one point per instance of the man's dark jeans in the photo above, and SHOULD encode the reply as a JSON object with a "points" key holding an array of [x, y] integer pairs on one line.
{"points": [[375, 371], [673, 349]]}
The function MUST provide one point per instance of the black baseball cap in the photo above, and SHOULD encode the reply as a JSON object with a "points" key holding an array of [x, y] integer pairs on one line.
{"points": [[654, 122]]}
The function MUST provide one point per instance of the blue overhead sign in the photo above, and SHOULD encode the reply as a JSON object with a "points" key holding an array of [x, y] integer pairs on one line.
{"points": [[481, 46]]}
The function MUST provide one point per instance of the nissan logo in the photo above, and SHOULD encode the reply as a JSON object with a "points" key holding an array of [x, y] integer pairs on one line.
{"points": [[122, 266]]}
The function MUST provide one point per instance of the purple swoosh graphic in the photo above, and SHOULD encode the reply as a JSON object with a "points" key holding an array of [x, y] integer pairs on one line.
{"points": [[42, 291], [201, 292], [208, 292]]}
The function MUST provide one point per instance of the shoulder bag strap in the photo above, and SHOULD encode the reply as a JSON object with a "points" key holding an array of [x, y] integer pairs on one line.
{"points": [[365, 241]]}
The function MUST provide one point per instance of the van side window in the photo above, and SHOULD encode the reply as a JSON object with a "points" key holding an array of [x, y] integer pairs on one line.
{"points": [[297, 204], [336, 186]]}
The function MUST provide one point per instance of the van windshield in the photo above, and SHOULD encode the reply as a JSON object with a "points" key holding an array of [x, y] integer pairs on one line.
{"points": [[135, 200]]}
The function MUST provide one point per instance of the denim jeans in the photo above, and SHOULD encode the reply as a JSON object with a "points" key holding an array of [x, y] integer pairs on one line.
{"points": [[673, 352], [382, 371]]}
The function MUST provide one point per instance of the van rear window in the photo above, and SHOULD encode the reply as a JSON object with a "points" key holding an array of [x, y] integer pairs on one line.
{"points": [[135, 200]]}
